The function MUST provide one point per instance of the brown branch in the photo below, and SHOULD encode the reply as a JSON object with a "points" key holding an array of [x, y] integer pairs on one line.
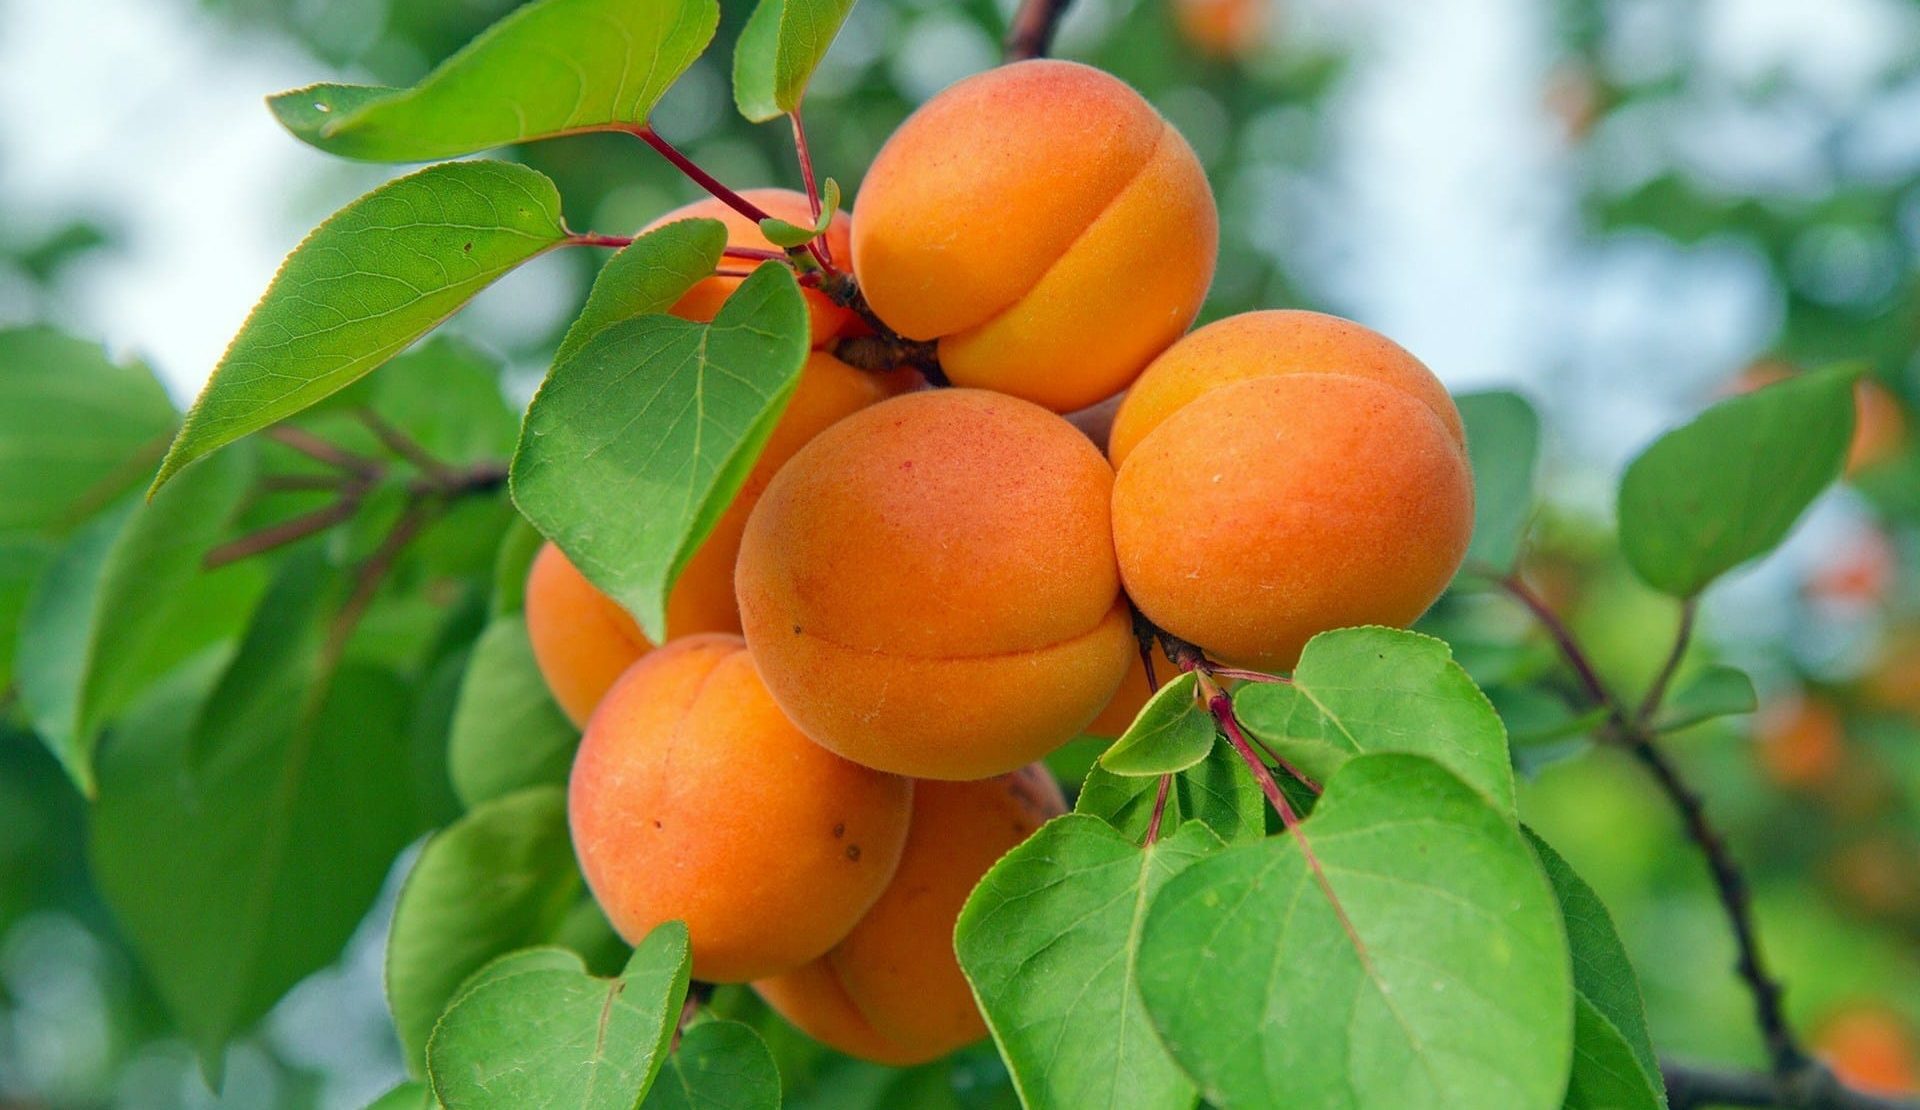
{"points": [[321, 450], [401, 444], [1691, 1087], [287, 531], [1031, 32], [1638, 736]]}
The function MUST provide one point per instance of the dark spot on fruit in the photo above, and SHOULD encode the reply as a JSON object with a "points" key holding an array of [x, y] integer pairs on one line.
{"points": [[853, 852], [796, 630], [656, 824], [840, 830]]}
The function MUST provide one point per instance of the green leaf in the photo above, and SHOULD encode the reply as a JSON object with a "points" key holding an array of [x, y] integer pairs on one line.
{"points": [[638, 442], [783, 234], [1362, 690], [1728, 487], [1503, 443], [126, 601], [22, 559], [646, 277], [498, 879], [1717, 690], [551, 68], [1047, 940], [377, 275], [720, 1065], [778, 50], [1172, 733], [507, 732], [1218, 792], [406, 1096], [511, 563], [1443, 980], [544, 1035], [77, 430], [239, 847], [1614, 1067]]}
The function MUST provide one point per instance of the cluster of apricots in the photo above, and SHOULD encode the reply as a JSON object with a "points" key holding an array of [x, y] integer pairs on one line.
{"points": [[918, 592]]}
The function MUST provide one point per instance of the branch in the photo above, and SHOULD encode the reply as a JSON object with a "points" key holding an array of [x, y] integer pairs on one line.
{"points": [[1691, 1087], [1031, 32], [1657, 692], [1563, 639], [718, 190]]}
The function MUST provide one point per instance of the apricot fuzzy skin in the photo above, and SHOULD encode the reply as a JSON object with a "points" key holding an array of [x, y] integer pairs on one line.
{"points": [[1045, 225], [694, 798], [1270, 489], [929, 587], [892, 991]]}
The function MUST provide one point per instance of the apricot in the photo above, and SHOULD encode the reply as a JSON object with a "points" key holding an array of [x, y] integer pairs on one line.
{"points": [[1282, 474], [582, 639], [702, 302], [892, 991], [1045, 225], [1222, 28], [694, 798], [1871, 1049], [929, 586], [1801, 739]]}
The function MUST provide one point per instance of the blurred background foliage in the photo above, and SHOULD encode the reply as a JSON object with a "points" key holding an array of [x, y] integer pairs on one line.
{"points": [[1622, 208]]}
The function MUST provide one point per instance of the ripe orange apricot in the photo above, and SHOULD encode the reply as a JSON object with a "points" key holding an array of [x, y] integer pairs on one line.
{"points": [[1042, 222], [929, 586], [1222, 28], [1801, 739], [1132, 695], [1282, 474], [582, 639], [1872, 1049], [694, 798], [892, 991], [702, 302]]}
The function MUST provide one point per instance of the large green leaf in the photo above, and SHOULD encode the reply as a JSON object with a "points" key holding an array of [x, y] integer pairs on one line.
{"points": [[778, 49], [1381, 690], [1441, 980], [125, 601], [507, 732], [1614, 1067], [1727, 487], [498, 879], [376, 276], [1172, 732], [551, 68], [1218, 792], [1503, 442], [240, 846], [637, 443], [720, 1065], [1047, 940], [77, 430], [534, 1033]]}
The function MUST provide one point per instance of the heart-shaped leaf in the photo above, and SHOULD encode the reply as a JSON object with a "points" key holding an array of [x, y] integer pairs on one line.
{"points": [[553, 67], [536, 1033], [1218, 792], [507, 732], [1729, 486], [1441, 978], [1614, 1067], [778, 50], [1047, 940], [637, 442], [720, 1065], [1381, 690], [124, 602], [1503, 443], [498, 879], [1172, 733], [377, 275]]}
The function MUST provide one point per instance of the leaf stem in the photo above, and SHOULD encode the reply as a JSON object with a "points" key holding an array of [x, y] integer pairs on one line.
{"points": [[646, 134], [1657, 693], [805, 154], [1159, 809]]}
